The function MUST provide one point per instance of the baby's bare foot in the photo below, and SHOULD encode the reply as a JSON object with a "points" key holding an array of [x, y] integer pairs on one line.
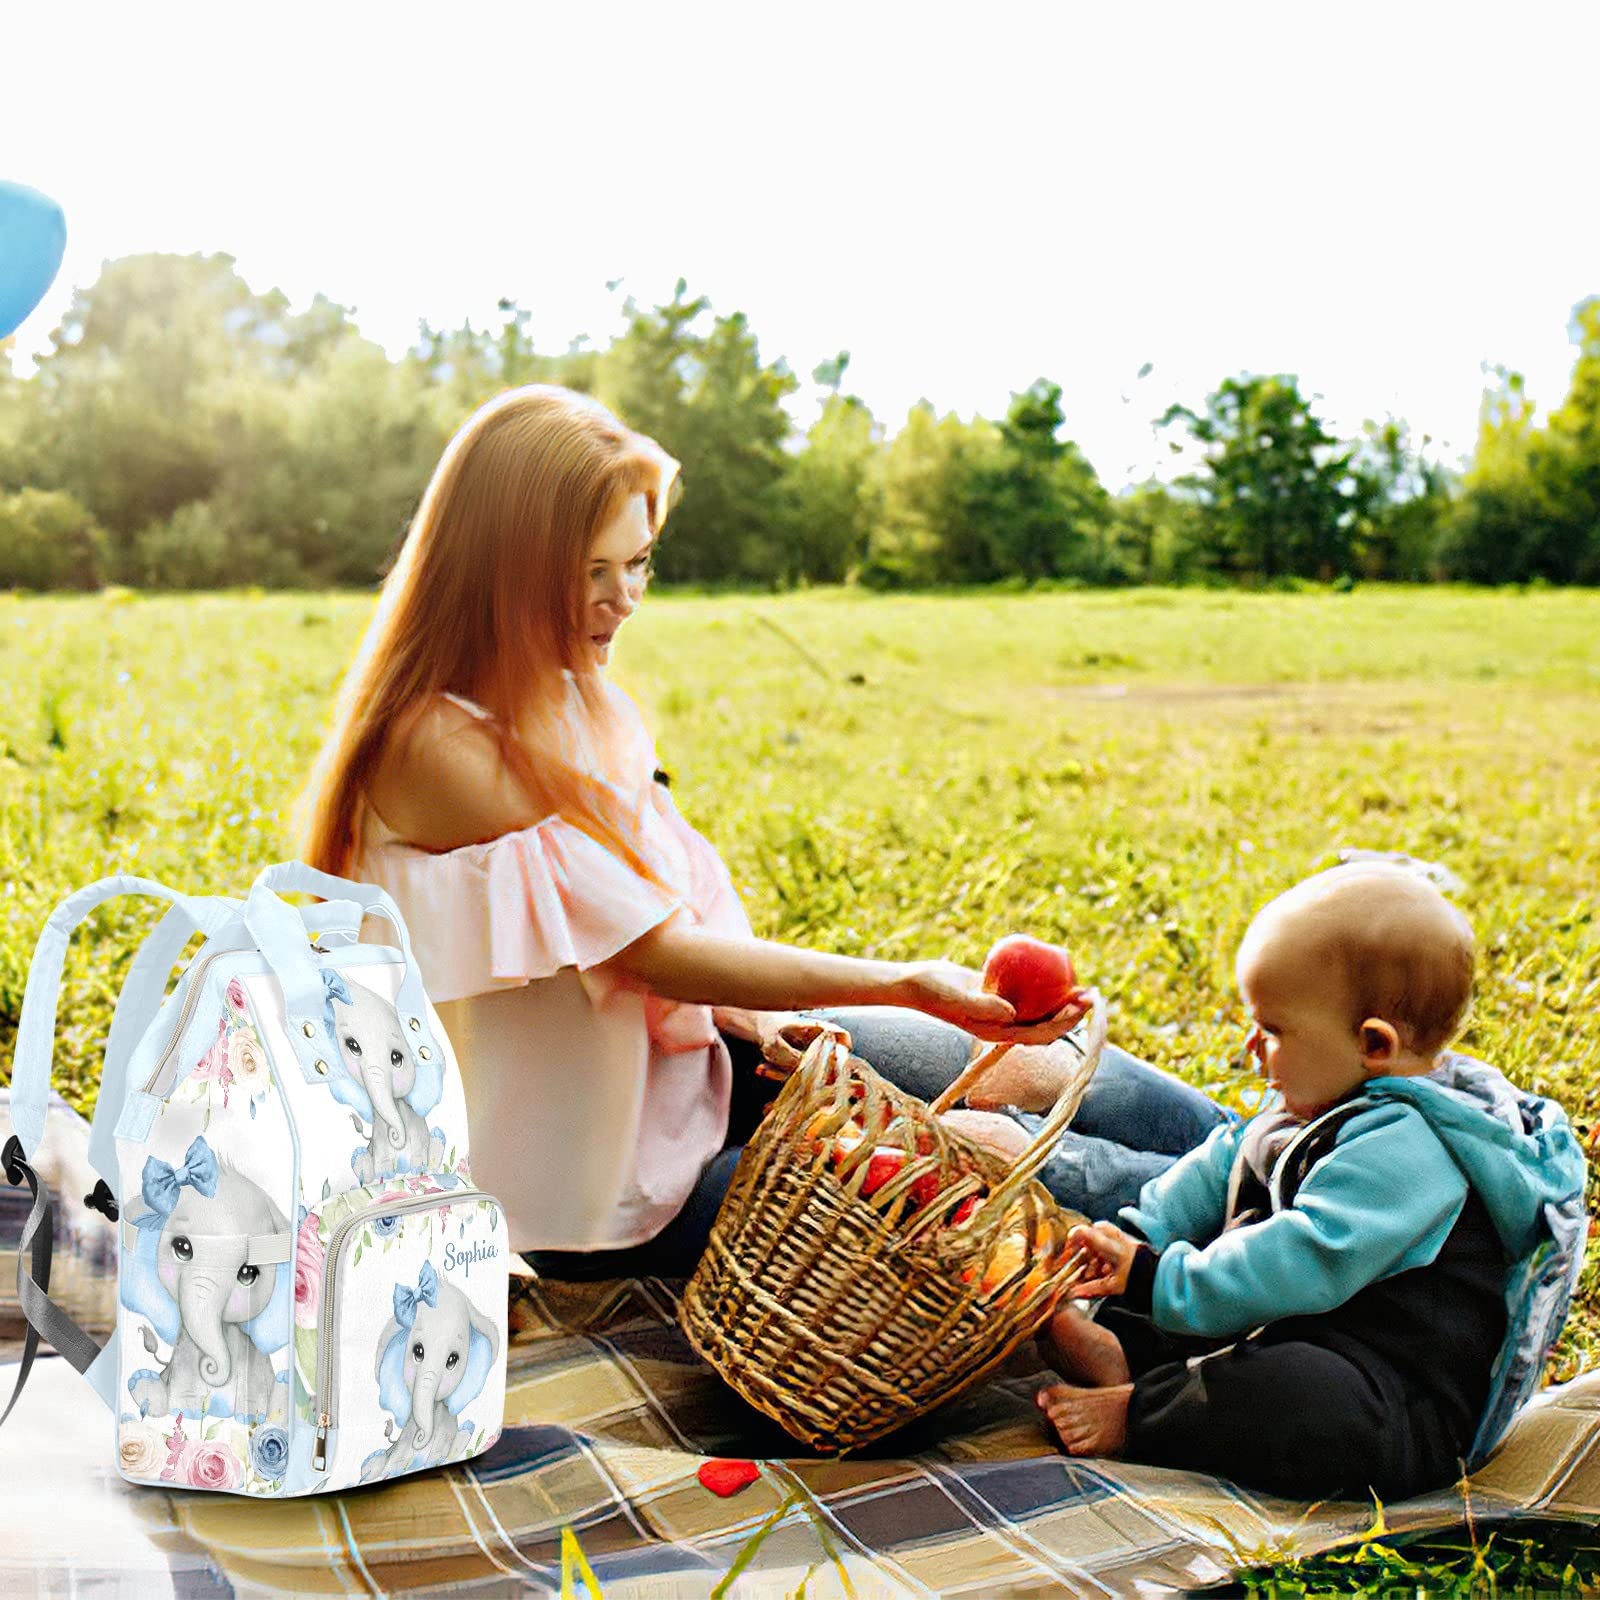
{"points": [[1080, 1349], [1088, 1422]]}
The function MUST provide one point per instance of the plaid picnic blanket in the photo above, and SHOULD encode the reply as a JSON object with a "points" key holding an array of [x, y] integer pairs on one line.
{"points": [[609, 1414]]}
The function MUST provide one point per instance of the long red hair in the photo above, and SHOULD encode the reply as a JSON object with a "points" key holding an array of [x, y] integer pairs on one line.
{"points": [[486, 600]]}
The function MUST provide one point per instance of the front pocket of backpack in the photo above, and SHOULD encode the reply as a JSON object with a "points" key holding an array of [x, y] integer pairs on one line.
{"points": [[411, 1333]]}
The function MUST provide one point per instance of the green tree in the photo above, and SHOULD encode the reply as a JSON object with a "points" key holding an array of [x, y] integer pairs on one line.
{"points": [[709, 399], [1276, 487], [1487, 535], [349, 448], [153, 376], [1531, 501], [1567, 460], [1153, 535], [1038, 509], [49, 541], [926, 532], [1403, 499], [466, 366], [835, 492]]}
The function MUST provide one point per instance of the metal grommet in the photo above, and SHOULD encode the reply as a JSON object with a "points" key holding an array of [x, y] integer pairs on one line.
{"points": [[322, 1068], [308, 1029], [425, 1053], [413, 1024]]}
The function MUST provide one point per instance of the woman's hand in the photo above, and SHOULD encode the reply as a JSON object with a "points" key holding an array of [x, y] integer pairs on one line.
{"points": [[784, 1036], [956, 994], [1110, 1252]]}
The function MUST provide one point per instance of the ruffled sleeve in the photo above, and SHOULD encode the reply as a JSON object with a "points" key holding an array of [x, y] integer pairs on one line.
{"points": [[520, 907], [712, 898]]}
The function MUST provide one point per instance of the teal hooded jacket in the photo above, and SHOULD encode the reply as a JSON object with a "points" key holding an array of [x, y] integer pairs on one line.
{"points": [[1382, 1202]]}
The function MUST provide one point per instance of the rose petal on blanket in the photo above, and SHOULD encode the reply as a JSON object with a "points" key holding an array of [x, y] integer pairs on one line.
{"points": [[724, 1478]]}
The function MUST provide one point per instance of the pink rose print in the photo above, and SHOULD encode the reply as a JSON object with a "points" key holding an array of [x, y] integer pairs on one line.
{"points": [[308, 1260], [214, 1063], [210, 1466], [216, 1056], [176, 1445], [236, 1000]]}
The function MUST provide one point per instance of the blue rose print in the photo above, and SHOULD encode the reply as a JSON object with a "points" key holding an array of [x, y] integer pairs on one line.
{"points": [[269, 1451]]}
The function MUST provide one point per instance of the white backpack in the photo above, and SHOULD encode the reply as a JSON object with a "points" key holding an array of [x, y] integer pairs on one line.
{"points": [[311, 1293]]}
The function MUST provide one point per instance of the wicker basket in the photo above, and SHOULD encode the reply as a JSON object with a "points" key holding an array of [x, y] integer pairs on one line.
{"points": [[844, 1304]]}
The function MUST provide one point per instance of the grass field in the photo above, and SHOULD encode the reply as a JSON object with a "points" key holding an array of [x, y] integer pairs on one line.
{"points": [[1132, 773]]}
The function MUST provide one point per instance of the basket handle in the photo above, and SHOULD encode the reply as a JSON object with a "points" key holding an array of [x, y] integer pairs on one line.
{"points": [[1038, 1152]]}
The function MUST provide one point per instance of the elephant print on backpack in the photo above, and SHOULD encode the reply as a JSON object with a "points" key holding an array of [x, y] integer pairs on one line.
{"points": [[389, 1093], [433, 1359], [190, 1277]]}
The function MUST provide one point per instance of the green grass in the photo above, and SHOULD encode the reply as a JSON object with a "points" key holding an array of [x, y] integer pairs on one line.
{"points": [[1536, 1557], [1133, 773]]}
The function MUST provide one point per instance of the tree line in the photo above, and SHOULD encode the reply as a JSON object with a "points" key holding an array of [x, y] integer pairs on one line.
{"points": [[184, 431]]}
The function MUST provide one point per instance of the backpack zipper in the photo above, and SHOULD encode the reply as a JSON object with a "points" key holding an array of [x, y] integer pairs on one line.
{"points": [[327, 1374], [196, 988]]}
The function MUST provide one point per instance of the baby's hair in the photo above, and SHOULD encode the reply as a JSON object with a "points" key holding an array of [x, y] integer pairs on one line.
{"points": [[1405, 954]]}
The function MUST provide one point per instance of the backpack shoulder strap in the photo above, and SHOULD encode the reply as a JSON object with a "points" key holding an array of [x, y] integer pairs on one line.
{"points": [[30, 1071], [30, 1092], [44, 1317], [143, 991]]}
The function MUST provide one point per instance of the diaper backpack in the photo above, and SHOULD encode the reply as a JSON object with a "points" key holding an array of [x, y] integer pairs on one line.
{"points": [[311, 1292]]}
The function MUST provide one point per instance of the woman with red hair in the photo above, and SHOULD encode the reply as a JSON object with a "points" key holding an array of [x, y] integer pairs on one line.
{"points": [[589, 958]]}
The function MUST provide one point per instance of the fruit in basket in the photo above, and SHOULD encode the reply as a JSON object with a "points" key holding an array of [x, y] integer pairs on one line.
{"points": [[1037, 978], [1008, 1258], [1004, 1263], [882, 1165]]}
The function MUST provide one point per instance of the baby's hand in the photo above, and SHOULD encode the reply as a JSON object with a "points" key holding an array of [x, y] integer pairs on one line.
{"points": [[1110, 1252]]}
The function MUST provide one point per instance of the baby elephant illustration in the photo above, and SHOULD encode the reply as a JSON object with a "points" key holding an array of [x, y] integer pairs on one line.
{"points": [[434, 1357], [190, 1277], [375, 1054]]}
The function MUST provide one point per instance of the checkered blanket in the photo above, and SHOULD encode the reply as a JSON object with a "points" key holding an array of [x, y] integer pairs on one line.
{"points": [[609, 1415]]}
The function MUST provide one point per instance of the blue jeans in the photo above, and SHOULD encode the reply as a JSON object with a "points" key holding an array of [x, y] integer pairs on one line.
{"points": [[1134, 1122]]}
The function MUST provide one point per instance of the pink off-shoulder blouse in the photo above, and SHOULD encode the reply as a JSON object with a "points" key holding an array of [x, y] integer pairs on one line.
{"points": [[592, 1104]]}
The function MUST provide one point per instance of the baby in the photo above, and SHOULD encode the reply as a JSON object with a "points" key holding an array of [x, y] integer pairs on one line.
{"points": [[1314, 1302]]}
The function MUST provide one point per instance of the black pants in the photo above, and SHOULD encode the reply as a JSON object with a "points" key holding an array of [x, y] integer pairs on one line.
{"points": [[1288, 1416]]}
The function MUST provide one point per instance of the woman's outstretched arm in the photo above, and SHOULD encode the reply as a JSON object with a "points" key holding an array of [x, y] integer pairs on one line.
{"points": [[679, 961]]}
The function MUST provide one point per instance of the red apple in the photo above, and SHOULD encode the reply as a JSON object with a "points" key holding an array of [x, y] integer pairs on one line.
{"points": [[1037, 978]]}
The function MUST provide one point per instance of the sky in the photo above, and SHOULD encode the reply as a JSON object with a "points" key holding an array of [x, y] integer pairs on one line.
{"points": [[1378, 198]]}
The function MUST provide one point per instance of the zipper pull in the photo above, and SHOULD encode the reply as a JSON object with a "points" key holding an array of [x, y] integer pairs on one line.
{"points": [[319, 1451]]}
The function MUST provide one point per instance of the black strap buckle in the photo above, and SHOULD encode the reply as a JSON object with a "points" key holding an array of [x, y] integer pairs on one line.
{"points": [[102, 1200], [16, 1167]]}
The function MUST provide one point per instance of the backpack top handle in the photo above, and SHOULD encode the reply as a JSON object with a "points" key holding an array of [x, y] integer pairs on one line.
{"points": [[280, 932]]}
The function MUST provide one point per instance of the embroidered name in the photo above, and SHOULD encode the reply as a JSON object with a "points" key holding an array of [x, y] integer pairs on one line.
{"points": [[455, 1257]]}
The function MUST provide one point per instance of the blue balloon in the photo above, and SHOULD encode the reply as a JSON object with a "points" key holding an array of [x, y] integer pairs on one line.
{"points": [[33, 235]]}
